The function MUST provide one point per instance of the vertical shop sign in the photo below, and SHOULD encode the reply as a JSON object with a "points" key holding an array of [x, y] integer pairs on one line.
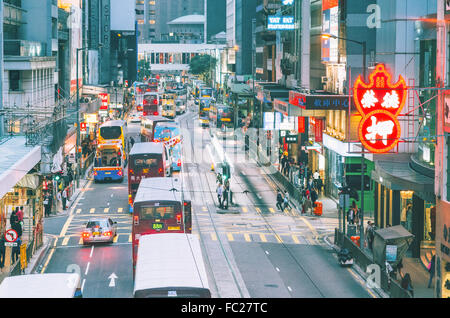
{"points": [[330, 25], [318, 130], [447, 111], [379, 102], [301, 125]]}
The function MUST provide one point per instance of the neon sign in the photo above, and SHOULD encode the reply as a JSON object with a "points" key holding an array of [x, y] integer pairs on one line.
{"points": [[379, 103]]}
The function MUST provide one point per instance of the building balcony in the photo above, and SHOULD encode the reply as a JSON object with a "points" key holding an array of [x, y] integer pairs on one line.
{"points": [[24, 48], [12, 14]]}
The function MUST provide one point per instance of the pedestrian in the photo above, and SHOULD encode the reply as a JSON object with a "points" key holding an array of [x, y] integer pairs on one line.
{"points": [[64, 199], [370, 234], [431, 269], [406, 284], [351, 214], [16, 250], [225, 197], [319, 186], [279, 200], [283, 164], [132, 141], [307, 205], [47, 204], [20, 214], [287, 168], [316, 175], [2, 251], [285, 200], [14, 222], [314, 196], [219, 178], [220, 194]]}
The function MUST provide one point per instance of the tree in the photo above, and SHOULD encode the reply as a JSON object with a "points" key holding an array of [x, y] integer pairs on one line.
{"points": [[202, 65], [143, 70]]}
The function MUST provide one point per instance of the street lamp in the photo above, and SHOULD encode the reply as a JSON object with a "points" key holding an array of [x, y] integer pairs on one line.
{"points": [[77, 155], [363, 44]]}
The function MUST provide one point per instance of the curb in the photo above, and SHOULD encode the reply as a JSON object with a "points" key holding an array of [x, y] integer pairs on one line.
{"points": [[359, 272], [43, 251]]}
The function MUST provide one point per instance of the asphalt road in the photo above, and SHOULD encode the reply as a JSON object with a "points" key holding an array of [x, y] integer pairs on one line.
{"points": [[251, 250]]}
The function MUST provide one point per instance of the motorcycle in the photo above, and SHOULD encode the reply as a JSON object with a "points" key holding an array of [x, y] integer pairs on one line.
{"points": [[345, 257]]}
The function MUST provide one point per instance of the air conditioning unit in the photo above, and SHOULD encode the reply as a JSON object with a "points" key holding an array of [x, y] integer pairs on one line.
{"points": [[325, 79]]}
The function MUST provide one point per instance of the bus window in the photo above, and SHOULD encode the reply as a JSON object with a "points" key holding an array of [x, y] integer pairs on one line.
{"points": [[163, 212]]}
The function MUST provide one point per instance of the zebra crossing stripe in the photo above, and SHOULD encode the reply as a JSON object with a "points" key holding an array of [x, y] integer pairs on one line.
{"points": [[120, 210], [230, 237], [106, 210], [214, 236], [92, 210], [271, 210], [65, 241], [295, 239], [262, 237], [78, 211], [130, 238], [258, 210], [204, 209], [279, 240], [244, 209], [80, 242], [247, 237], [115, 238]]}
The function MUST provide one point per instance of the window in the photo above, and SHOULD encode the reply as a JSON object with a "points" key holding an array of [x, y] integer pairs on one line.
{"points": [[14, 80], [163, 212]]}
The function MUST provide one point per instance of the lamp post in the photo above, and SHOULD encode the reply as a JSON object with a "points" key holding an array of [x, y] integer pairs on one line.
{"points": [[77, 153], [363, 44]]}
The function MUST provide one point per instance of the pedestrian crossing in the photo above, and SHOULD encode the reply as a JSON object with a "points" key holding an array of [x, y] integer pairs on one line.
{"points": [[101, 210], [249, 209], [73, 240]]}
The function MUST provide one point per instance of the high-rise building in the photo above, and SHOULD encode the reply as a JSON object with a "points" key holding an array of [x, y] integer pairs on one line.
{"points": [[152, 16], [215, 18]]}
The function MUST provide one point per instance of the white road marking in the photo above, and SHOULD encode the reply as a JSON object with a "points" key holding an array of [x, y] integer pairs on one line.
{"points": [[289, 288], [92, 251], [267, 252], [82, 285], [87, 268], [277, 269]]}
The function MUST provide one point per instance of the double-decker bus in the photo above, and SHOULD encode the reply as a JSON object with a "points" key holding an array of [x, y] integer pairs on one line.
{"points": [[113, 131], [221, 116], [153, 85], [169, 133], [150, 104], [147, 160], [160, 206], [170, 265], [203, 111], [141, 89], [109, 163], [168, 105], [148, 124], [206, 92]]}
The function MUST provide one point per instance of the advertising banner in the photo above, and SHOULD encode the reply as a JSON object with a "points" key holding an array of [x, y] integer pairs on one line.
{"points": [[447, 111], [330, 25]]}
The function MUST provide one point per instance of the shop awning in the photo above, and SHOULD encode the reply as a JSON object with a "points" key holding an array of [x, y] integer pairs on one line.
{"points": [[398, 175], [17, 161]]}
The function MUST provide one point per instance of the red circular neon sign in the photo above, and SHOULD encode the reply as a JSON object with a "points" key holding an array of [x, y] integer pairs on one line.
{"points": [[379, 103]]}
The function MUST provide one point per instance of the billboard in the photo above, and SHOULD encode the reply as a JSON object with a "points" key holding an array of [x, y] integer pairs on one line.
{"points": [[330, 25], [75, 43], [123, 15], [280, 22]]}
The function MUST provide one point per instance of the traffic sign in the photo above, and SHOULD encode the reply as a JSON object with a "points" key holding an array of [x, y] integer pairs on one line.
{"points": [[11, 235]]}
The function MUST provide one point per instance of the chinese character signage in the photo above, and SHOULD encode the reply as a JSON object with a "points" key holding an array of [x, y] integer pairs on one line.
{"points": [[319, 102], [330, 25], [280, 23], [104, 98], [379, 102], [447, 111]]}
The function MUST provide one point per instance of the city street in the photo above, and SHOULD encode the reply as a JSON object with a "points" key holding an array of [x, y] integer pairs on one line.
{"points": [[251, 250]]}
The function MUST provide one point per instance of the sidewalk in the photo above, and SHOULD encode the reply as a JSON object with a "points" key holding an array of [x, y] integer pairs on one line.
{"points": [[419, 277]]}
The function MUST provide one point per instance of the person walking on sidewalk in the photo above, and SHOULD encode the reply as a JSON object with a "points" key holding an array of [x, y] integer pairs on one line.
{"points": [[220, 194], [16, 250], [2, 251], [285, 200], [406, 284], [47, 204], [314, 198], [64, 198], [279, 200], [307, 205], [431, 269]]}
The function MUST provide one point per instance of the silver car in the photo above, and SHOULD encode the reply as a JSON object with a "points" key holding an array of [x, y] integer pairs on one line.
{"points": [[99, 230]]}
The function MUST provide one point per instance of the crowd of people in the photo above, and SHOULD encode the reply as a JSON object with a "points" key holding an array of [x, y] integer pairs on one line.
{"points": [[223, 191]]}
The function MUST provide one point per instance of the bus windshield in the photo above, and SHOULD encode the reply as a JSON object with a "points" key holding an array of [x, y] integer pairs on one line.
{"points": [[114, 132], [206, 92], [159, 212]]}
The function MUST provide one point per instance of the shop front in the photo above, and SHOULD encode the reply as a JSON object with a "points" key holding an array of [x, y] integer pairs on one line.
{"points": [[405, 197], [443, 249]]}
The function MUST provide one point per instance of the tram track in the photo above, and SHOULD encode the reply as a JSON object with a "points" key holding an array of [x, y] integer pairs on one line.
{"points": [[195, 168]]}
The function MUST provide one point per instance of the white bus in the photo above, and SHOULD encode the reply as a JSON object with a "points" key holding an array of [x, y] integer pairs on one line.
{"points": [[170, 265], [55, 285]]}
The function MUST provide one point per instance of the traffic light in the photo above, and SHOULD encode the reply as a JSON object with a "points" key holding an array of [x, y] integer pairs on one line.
{"points": [[226, 173]]}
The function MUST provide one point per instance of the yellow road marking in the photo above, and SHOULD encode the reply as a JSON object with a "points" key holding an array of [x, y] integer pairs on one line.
{"points": [[263, 237], [258, 210], [80, 242], [204, 208], [65, 241], [310, 226], [295, 239], [115, 238], [130, 238], [78, 211], [92, 210], [106, 210], [271, 210], [214, 236], [66, 226], [230, 237], [244, 209], [247, 237], [120, 210], [362, 283], [278, 238]]}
